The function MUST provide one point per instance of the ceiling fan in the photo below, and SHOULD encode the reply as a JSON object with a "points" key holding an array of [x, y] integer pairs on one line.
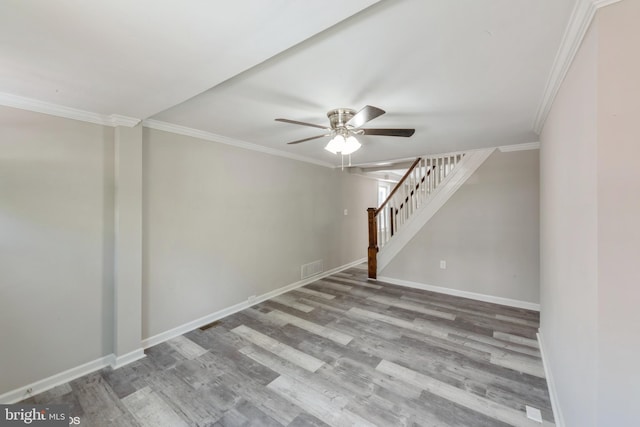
{"points": [[344, 125]]}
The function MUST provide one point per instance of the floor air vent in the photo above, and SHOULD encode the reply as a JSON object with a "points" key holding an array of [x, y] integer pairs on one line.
{"points": [[311, 269]]}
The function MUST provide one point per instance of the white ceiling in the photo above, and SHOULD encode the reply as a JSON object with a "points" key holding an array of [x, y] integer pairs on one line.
{"points": [[464, 73], [139, 57]]}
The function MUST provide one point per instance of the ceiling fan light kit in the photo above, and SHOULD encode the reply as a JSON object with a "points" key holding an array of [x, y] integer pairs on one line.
{"points": [[343, 145], [345, 124]]}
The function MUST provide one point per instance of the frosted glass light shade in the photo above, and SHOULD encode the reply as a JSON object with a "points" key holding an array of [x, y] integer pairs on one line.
{"points": [[351, 144], [343, 146], [336, 144]]}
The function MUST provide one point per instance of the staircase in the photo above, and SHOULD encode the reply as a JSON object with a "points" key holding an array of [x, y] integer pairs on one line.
{"points": [[424, 188]]}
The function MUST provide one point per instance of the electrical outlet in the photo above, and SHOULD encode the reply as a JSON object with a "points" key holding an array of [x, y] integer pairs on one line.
{"points": [[443, 264], [346, 212], [251, 298]]}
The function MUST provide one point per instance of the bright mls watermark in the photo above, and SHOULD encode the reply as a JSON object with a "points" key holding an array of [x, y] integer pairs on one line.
{"points": [[36, 415]]}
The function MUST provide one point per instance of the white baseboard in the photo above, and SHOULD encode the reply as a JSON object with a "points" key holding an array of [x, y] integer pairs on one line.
{"points": [[464, 294], [48, 383], [55, 380], [116, 362], [553, 393], [194, 324], [125, 359]]}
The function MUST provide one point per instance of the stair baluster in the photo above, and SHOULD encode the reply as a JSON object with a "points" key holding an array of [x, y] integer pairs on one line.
{"points": [[406, 198]]}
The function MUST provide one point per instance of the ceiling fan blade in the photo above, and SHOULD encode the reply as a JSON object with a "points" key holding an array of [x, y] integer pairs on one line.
{"points": [[307, 139], [295, 122], [363, 116], [388, 132]]}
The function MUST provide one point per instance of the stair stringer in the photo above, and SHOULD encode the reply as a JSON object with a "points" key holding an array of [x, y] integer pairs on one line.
{"points": [[443, 192]]}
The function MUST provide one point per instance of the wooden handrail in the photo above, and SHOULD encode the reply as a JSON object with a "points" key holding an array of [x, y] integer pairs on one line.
{"points": [[413, 166], [406, 199], [391, 221], [372, 252]]}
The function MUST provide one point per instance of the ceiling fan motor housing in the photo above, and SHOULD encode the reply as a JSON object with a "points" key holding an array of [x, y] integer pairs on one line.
{"points": [[339, 117], [347, 123]]}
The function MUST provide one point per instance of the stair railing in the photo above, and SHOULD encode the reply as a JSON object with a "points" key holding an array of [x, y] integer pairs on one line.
{"points": [[409, 194]]}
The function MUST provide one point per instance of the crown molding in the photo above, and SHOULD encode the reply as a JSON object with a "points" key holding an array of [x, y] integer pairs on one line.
{"points": [[581, 17], [519, 147], [601, 3], [115, 120], [38, 106], [118, 120], [208, 136]]}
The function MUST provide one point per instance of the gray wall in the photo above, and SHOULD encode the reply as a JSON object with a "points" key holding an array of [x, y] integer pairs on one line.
{"points": [[56, 245], [487, 233], [222, 224], [219, 224], [590, 233], [619, 214], [568, 238]]}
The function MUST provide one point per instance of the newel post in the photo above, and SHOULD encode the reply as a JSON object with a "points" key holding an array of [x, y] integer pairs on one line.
{"points": [[372, 253]]}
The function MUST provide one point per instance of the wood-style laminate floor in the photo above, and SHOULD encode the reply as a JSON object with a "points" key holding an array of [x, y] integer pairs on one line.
{"points": [[342, 351]]}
